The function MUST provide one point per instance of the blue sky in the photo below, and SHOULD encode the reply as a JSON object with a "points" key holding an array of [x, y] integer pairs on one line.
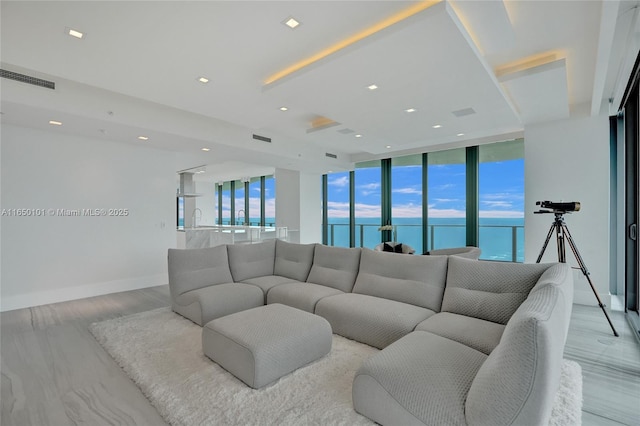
{"points": [[501, 191]]}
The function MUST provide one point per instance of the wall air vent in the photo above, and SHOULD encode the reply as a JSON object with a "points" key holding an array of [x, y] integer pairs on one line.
{"points": [[262, 138], [27, 79], [330, 155]]}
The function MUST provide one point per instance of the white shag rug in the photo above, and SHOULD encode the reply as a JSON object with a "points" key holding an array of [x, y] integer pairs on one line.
{"points": [[162, 353]]}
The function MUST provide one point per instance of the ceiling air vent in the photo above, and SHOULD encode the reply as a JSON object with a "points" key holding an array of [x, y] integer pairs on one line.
{"points": [[330, 155], [345, 131], [462, 112], [27, 79], [262, 138]]}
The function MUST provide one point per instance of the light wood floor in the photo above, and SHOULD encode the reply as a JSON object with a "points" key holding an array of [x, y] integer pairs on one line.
{"points": [[55, 373]]}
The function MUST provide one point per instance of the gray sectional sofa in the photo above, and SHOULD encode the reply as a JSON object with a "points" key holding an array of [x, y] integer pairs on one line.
{"points": [[463, 341]]}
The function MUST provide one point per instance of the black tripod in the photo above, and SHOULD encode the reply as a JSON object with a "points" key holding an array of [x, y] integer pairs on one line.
{"points": [[562, 233]]}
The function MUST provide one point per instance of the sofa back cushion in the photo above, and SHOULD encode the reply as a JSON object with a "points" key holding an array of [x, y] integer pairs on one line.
{"points": [[518, 382], [335, 267], [251, 260], [293, 260], [491, 291], [192, 269], [418, 280]]}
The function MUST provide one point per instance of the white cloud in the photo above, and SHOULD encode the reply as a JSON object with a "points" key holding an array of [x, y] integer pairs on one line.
{"points": [[497, 204], [506, 214], [339, 182], [407, 191]]}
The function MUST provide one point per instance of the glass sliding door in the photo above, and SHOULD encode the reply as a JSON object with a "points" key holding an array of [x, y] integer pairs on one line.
{"points": [[447, 199], [501, 201], [368, 202], [406, 200]]}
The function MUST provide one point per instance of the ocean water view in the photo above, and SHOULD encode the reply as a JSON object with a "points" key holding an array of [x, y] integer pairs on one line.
{"points": [[501, 239]]}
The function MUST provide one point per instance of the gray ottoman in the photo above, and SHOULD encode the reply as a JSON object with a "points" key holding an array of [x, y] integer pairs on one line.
{"points": [[262, 344]]}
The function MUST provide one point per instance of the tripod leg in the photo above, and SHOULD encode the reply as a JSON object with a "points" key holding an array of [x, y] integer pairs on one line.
{"points": [[586, 273], [562, 256], [546, 242]]}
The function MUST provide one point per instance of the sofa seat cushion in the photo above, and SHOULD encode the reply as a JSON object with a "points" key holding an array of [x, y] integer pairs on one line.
{"points": [[267, 282], [491, 291], [422, 379], [303, 296], [251, 260], [476, 333], [208, 303], [372, 320], [335, 267], [293, 260], [417, 280]]}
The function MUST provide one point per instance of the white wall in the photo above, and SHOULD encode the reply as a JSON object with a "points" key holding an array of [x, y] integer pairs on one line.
{"points": [[53, 258], [207, 203], [568, 160], [298, 205]]}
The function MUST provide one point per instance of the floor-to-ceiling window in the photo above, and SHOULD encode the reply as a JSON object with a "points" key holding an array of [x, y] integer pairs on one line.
{"points": [[338, 207], [367, 196], [239, 214], [501, 201], [269, 198], [446, 199], [254, 213], [224, 199], [406, 200]]}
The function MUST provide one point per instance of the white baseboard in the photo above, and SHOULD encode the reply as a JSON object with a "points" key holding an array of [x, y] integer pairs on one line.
{"points": [[28, 300], [586, 297]]}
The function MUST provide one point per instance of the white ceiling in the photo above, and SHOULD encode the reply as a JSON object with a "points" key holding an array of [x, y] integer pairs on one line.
{"points": [[135, 73]]}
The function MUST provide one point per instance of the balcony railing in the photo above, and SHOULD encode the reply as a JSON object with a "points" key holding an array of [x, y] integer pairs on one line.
{"points": [[498, 242]]}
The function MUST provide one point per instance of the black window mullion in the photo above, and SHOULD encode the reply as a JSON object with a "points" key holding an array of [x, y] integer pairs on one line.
{"points": [[473, 206], [385, 189], [352, 209], [232, 220], [425, 202], [325, 214]]}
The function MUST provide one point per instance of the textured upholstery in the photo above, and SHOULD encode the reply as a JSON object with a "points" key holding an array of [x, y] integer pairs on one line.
{"points": [[372, 320], [518, 382], [293, 260], [251, 260], [420, 379], [263, 344], [491, 291], [335, 267], [418, 280], [207, 303], [303, 296], [476, 333], [468, 252], [267, 282], [196, 268]]}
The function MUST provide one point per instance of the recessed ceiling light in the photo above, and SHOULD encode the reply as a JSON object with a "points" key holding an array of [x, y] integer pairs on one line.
{"points": [[388, 147], [203, 80], [55, 123], [291, 22], [460, 134], [74, 33], [410, 110], [143, 138], [284, 108], [372, 87], [358, 135], [206, 149], [437, 126]]}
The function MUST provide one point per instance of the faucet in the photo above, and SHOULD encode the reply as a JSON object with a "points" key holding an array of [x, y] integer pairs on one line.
{"points": [[193, 217], [244, 217]]}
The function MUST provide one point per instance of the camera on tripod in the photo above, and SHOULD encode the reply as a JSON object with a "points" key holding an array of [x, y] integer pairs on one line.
{"points": [[557, 208]]}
